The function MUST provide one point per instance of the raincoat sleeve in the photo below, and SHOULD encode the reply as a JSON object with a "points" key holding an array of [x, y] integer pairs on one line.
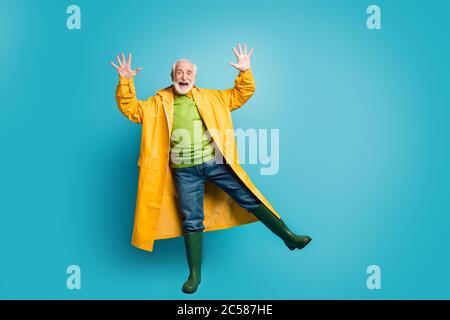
{"points": [[128, 104], [244, 88]]}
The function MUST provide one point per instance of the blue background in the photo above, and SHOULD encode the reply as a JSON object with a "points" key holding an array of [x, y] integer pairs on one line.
{"points": [[364, 161]]}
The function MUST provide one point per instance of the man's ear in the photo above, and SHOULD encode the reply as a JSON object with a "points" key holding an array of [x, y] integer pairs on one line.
{"points": [[171, 76]]}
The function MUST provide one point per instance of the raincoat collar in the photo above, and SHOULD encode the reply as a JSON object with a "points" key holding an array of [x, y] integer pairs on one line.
{"points": [[167, 95]]}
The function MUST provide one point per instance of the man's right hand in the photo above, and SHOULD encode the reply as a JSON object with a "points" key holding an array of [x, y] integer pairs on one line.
{"points": [[124, 67]]}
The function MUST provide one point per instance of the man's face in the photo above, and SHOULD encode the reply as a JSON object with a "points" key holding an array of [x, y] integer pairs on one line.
{"points": [[184, 77]]}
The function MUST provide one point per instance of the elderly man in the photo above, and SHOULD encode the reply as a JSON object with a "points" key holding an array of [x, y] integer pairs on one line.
{"points": [[189, 164]]}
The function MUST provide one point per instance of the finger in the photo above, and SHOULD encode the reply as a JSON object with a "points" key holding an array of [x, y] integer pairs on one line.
{"points": [[240, 48], [117, 68], [235, 52], [250, 53], [234, 65], [123, 59], [245, 48], [138, 70], [129, 59], [118, 60]]}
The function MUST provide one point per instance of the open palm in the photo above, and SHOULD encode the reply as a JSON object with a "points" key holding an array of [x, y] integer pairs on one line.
{"points": [[124, 67], [243, 58]]}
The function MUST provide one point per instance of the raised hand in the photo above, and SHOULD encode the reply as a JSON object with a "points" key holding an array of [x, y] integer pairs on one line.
{"points": [[124, 67], [243, 58]]}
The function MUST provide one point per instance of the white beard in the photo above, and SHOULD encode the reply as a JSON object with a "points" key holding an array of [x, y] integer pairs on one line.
{"points": [[182, 89]]}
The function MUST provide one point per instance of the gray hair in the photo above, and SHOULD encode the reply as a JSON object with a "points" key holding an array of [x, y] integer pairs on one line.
{"points": [[182, 60]]}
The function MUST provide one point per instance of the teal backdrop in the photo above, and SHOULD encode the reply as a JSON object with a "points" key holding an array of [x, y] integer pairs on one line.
{"points": [[364, 147]]}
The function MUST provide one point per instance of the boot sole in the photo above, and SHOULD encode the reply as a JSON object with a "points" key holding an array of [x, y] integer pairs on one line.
{"points": [[294, 247], [190, 292]]}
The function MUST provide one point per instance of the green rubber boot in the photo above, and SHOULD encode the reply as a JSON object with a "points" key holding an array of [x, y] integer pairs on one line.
{"points": [[193, 244], [278, 227]]}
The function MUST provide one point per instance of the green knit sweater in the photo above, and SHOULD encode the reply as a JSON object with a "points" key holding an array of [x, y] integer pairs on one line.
{"points": [[189, 146]]}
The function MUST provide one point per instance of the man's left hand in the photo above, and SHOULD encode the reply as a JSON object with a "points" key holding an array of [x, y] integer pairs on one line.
{"points": [[243, 58]]}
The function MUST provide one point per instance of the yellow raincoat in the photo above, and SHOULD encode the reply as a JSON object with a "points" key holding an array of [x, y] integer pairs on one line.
{"points": [[157, 213]]}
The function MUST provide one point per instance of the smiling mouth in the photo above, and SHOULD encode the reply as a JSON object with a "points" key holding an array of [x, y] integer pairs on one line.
{"points": [[184, 84]]}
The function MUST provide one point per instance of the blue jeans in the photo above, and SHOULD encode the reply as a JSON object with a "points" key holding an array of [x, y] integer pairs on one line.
{"points": [[190, 184]]}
